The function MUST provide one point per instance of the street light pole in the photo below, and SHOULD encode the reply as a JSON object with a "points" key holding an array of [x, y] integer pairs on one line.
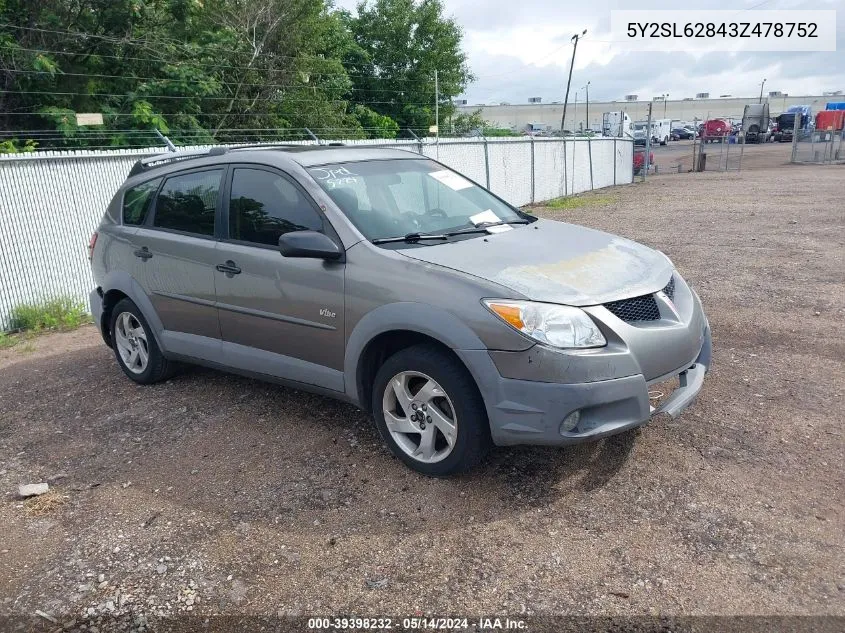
{"points": [[761, 89], [575, 116], [666, 96], [587, 88], [575, 39]]}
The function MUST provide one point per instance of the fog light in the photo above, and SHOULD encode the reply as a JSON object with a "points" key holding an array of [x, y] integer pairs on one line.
{"points": [[570, 422]]}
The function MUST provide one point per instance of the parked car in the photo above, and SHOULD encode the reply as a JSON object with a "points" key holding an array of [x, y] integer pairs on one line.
{"points": [[639, 160], [387, 280], [683, 133]]}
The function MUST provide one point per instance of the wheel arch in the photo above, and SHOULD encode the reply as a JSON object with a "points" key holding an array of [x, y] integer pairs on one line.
{"points": [[120, 285], [393, 327]]}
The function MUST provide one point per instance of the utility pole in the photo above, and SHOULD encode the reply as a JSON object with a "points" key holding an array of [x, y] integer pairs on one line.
{"points": [[575, 39], [761, 89], [666, 96], [437, 113], [647, 143], [587, 88]]}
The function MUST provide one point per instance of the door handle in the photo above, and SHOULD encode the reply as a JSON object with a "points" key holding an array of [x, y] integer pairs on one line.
{"points": [[144, 253], [230, 268]]}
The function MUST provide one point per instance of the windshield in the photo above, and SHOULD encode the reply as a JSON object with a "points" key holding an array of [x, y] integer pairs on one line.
{"points": [[639, 126], [388, 198]]}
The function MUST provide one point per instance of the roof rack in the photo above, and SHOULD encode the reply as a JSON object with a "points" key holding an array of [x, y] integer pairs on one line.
{"points": [[159, 160], [172, 157]]}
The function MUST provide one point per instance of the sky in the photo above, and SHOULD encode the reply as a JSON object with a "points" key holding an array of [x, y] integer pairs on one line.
{"points": [[522, 49]]}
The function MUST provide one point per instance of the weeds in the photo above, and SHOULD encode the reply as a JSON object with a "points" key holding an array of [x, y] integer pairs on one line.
{"points": [[577, 202], [7, 341], [61, 313]]}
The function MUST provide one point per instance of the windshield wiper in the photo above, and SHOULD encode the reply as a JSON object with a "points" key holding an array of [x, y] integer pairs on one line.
{"points": [[482, 228], [413, 238], [410, 238]]}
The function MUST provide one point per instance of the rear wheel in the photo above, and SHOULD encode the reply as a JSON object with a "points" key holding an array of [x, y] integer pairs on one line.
{"points": [[135, 346], [429, 412]]}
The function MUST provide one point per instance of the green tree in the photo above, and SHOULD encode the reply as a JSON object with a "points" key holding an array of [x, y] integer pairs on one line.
{"points": [[402, 43], [468, 123], [204, 71]]}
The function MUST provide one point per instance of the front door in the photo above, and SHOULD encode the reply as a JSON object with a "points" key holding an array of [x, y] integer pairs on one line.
{"points": [[177, 243], [280, 315]]}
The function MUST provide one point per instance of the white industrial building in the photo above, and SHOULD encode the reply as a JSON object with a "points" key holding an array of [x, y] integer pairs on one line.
{"points": [[703, 107]]}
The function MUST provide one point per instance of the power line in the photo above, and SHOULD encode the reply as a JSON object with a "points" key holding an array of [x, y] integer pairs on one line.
{"points": [[215, 66], [126, 40], [146, 44], [183, 81], [280, 100]]}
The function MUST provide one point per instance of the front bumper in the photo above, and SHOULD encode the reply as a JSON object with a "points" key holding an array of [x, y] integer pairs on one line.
{"points": [[528, 394], [531, 412]]}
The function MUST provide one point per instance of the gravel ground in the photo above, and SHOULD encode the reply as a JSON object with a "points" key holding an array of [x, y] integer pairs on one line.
{"points": [[212, 493], [678, 155]]}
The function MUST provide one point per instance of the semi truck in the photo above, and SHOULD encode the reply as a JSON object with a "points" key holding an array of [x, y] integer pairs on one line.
{"points": [[616, 124], [755, 123], [797, 117]]}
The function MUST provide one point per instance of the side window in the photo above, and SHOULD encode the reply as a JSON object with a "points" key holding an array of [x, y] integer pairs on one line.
{"points": [[188, 202], [263, 206], [136, 202]]}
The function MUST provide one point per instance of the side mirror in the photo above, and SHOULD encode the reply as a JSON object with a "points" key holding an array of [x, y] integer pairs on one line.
{"points": [[309, 244]]}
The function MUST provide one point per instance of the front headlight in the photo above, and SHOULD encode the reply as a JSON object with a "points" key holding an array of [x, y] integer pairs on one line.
{"points": [[556, 325]]}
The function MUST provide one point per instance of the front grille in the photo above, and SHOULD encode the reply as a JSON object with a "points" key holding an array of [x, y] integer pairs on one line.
{"points": [[669, 290], [642, 308], [635, 309]]}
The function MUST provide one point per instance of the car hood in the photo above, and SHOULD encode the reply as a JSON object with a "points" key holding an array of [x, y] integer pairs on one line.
{"points": [[556, 262]]}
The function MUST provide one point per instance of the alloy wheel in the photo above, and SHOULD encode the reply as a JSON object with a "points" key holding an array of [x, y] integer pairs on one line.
{"points": [[131, 341], [420, 417]]}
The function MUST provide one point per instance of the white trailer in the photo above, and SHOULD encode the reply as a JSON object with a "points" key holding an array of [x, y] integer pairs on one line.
{"points": [[661, 131], [616, 124]]}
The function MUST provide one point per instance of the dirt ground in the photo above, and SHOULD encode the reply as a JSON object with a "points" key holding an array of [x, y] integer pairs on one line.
{"points": [[213, 494]]}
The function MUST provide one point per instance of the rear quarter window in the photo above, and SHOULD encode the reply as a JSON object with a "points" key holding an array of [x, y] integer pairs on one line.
{"points": [[136, 202]]}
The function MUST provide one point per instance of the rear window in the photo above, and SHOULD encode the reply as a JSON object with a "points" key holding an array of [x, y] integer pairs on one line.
{"points": [[188, 202], [136, 202]]}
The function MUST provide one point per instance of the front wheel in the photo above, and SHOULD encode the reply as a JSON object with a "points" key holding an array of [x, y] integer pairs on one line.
{"points": [[429, 411]]}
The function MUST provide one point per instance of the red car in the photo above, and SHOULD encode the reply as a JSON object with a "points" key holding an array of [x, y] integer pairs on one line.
{"points": [[639, 160], [715, 130]]}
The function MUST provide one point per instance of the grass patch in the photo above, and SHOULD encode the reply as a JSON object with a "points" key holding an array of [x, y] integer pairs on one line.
{"points": [[7, 341], [61, 313], [580, 202]]}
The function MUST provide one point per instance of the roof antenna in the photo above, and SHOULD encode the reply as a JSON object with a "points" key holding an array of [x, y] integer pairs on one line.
{"points": [[312, 135], [170, 146]]}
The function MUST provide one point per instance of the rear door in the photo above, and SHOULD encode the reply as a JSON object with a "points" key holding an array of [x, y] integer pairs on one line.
{"points": [[125, 252], [178, 248], [282, 315]]}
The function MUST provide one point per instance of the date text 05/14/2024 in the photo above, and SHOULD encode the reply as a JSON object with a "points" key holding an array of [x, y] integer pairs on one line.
{"points": [[417, 623]]}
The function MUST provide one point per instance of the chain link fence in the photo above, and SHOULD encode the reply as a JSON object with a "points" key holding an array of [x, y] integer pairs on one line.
{"points": [[51, 202], [718, 153], [823, 147]]}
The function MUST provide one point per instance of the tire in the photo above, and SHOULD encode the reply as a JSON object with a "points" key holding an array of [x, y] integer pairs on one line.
{"points": [[157, 367], [425, 368]]}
